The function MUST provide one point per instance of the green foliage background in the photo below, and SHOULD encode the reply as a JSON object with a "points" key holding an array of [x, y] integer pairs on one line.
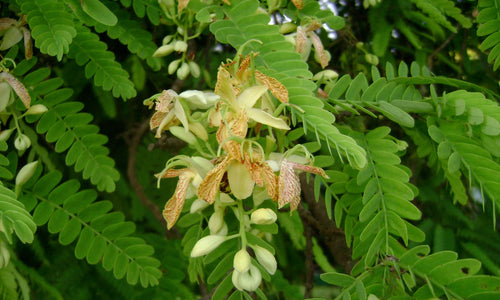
{"points": [[409, 134]]}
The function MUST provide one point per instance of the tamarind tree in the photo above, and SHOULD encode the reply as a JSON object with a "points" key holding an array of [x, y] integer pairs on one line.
{"points": [[245, 149]]}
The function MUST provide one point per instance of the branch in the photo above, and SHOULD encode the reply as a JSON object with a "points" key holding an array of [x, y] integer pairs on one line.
{"points": [[133, 143]]}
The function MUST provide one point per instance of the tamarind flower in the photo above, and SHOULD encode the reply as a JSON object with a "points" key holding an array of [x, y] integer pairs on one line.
{"points": [[288, 180], [171, 112], [243, 172], [190, 176]]}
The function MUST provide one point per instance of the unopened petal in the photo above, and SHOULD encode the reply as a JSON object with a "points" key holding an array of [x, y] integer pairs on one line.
{"points": [[266, 259], [206, 245], [265, 118], [249, 96]]}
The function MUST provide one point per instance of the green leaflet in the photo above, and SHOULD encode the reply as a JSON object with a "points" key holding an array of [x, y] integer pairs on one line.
{"points": [[43, 17], [100, 64], [99, 12], [145, 7], [130, 33], [244, 25], [70, 130], [15, 218], [101, 235], [378, 202], [489, 26]]}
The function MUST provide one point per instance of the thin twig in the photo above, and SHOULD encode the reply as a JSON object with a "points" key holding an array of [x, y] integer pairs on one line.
{"points": [[309, 284], [133, 144], [439, 49]]}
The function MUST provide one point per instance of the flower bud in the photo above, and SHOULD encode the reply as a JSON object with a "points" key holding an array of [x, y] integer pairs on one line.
{"points": [[180, 46], [36, 109], [287, 28], [223, 231], [263, 216], [242, 261], [216, 221], [326, 74], [206, 245], [26, 172], [22, 142], [266, 259], [199, 130], [172, 66], [183, 71], [5, 135], [167, 39], [163, 50], [198, 205], [5, 98], [194, 69], [371, 59], [249, 280]]}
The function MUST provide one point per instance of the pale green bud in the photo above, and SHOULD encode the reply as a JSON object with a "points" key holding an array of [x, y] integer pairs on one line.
{"points": [[326, 75], [22, 142], [167, 39], [241, 261], [36, 109], [249, 280], [163, 50], [180, 46], [198, 205], [5, 98], [263, 216], [216, 221], [223, 231], [194, 69], [371, 59], [25, 173], [183, 71], [287, 28], [172, 67], [5, 135], [266, 259], [206, 245]]}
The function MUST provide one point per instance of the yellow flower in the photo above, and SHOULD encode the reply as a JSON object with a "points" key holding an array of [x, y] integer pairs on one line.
{"points": [[170, 112], [288, 180], [188, 177]]}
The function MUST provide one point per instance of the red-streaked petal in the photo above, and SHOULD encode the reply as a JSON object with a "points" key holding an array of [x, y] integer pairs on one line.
{"points": [[164, 100], [223, 87], [270, 180], [210, 185], [289, 186], [156, 119], [318, 47], [277, 88], [173, 208], [309, 169]]}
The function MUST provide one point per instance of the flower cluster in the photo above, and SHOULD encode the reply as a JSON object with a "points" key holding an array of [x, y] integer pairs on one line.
{"points": [[240, 107]]}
